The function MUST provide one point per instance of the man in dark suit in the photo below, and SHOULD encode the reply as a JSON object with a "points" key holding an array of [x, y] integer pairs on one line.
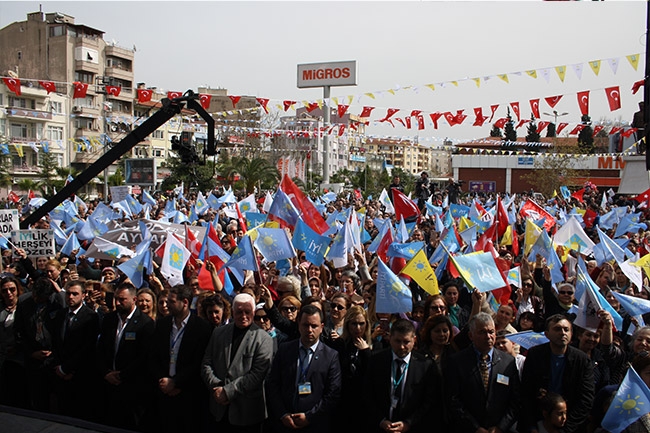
{"points": [[175, 363], [74, 336], [235, 365], [122, 350], [400, 384], [304, 385], [483, 383], [558, 367]]}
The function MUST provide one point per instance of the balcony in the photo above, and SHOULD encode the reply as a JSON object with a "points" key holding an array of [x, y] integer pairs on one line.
{"points": [[22, 113], [82, 111], [87, 41], [115, 51], [82, 65], [121, 73]]}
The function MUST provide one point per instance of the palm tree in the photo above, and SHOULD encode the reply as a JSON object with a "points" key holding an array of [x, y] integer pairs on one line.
{"points": [[252, 172], [28, 184]]}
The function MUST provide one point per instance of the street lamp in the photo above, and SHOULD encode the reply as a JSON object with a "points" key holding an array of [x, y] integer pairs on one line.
{"points": [[555, 115]]}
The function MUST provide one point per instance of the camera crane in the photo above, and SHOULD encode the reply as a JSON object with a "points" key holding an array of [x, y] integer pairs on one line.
{"points": [[170, 107]]}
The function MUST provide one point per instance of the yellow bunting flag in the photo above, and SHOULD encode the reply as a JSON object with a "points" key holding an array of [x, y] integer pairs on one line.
{"points": [[430, 86], [504, 77], [532, 73], [477, 80], [455, 83], [391, 91], [370, 95], [595, 66], [420, 270], [561, 72], [634, 60]]}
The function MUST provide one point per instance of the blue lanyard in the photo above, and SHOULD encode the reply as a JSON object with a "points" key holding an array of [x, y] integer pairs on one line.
{"points": [[397, 382]]}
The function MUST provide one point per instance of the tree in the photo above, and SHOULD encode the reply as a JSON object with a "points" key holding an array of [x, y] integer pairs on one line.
{"points": [[5, 160], [532, 136], [556, 168], [191, 175], [48, 164], [586, 136], [252, 172], [28, 184], [509, 132], [496, 132], [550, 130]]}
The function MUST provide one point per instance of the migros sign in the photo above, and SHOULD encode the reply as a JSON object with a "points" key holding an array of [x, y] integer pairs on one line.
{"points": [[327, 74], [608, 162]]}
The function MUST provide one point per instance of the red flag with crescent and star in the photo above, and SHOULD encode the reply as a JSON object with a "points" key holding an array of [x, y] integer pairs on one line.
{"points": [[583, 102], [534, 107], [173, 95], [113, 90], [613, 97], [515, 109], [263, 102], [480, 119], [342, 109], [553, 100], [144, 95], [80, 90], [205, 99], [234, 99], [13, 84], [48, 85]]}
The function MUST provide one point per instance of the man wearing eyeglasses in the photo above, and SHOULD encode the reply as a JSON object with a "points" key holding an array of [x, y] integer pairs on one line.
{"points": [[234, 367]]}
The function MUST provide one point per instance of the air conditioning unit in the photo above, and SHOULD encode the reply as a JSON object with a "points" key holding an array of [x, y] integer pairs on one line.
{"points": [[76, 109]]}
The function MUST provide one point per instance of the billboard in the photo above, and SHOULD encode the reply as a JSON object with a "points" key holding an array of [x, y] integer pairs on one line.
{"points": [[140, 171], [327, 74]]}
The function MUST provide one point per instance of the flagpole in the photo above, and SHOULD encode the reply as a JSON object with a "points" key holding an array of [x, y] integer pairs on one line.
{"points": [[9, 242]]}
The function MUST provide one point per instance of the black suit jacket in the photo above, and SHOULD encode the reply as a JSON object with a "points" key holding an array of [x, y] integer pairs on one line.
{"points": [[418, 393], [324, 375], [470, 406], [75, 351], [190, 353], [577, 386], [131, 356]]}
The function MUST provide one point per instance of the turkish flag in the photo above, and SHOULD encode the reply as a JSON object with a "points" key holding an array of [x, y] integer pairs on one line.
{"points": [[205, 99], [534, 107], [48, 85], [113, 90], [310, 214], [628, 132], [382, 249], [553, 100], [366, 112], [341, 129], [644, 197], [493, 109], [500, 123], [637, 85], [579, 127], [390, 113], [404, 206], [502, 218], [31, 195], [578, 195], [287, 104], [13, 84], [542, 125], [80, 90], [14, 198], [560, 127], [598, 128], [434, 118], [234, 99], [357, 194], [420, 119], [192, 245], [521, 123], [589, 217], [583, 102], [144, 95], [615, 129], [263, 102], [532, 210], [173, 95], [311, 106], [613, 97], [460, 117], [515, 109], [342, 109], [480, 119], [408, 122]]}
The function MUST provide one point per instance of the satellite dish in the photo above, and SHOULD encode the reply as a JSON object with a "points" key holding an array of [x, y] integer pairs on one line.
{"points": [[12, 74]]}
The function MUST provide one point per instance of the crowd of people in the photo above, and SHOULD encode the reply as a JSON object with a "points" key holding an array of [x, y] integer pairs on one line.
{"points": [[304, 347]]}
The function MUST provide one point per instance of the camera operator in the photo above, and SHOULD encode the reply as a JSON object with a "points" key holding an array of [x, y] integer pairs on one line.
{"points": [[422, 191], [453, 190]]}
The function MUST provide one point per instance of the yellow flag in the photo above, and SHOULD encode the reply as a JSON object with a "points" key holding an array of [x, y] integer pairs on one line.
{"points": [[19, 149], [391, 91], [420, 270], [643, 263], [504, 77], [507, 237], [431, 86], [477, 80], [532, 73], [595, 66], [465, 223], [561, 72], [634, 60], [530, 236], [370, 95]]}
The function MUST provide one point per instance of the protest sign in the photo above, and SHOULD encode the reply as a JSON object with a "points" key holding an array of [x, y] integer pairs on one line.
{"points": [[36, 243], [128, 233], [9, 221], [119, 193]]}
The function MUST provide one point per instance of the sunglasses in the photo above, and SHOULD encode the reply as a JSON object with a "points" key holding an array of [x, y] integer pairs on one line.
{"points": [[261, 318], [565, 292], [528, 284], [338, 307], [290, 309]]}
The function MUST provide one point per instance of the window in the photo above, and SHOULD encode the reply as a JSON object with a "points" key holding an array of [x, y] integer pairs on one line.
{"points": [[56, 107], [21, 103], [158, 153], [55, 133], [84, 77], [22, 130], [1, 99], [56, 31], [159, 134]]}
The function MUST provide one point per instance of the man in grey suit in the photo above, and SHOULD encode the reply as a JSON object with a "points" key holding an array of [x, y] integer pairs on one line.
{"points": [[236, 361], [483, 383], [304, 385]]}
